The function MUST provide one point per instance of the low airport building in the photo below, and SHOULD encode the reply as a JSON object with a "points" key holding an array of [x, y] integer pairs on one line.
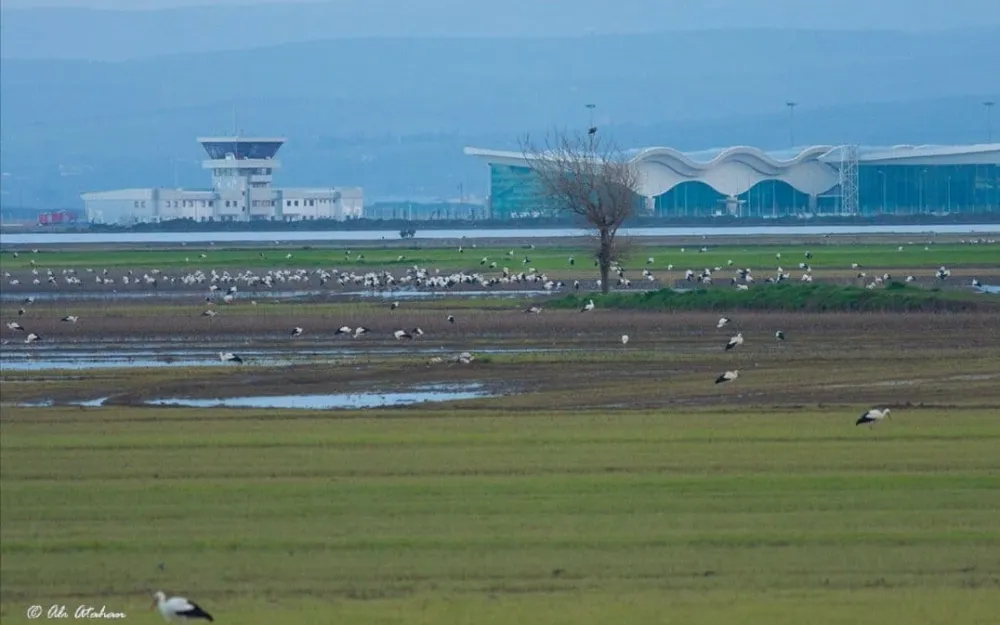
{"points": [[750, 182], [242, 171]]}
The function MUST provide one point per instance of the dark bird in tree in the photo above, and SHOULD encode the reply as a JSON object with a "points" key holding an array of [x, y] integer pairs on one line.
{"points": [[592, 131], [591, 178]]}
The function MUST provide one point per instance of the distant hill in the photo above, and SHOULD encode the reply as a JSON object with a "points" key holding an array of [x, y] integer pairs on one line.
{"points": [[119, 35], [394, 114]]}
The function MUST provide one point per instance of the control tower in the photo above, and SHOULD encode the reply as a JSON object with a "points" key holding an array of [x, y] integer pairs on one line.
{"points": [[242, 169]]}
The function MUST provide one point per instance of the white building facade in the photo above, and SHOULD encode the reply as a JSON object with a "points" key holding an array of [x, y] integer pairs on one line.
{"points": [[242, 170]]}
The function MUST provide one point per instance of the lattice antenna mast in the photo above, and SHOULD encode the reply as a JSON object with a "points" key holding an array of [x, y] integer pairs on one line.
{"points": [[849, 179]]}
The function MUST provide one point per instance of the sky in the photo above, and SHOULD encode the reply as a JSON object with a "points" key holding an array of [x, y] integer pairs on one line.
{"points": [[880, 14]]}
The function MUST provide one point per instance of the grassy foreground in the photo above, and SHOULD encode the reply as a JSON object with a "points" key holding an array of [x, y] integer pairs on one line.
{"points": [[769, 516]]}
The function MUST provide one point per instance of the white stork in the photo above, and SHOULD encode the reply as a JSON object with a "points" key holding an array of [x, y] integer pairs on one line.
{"points": [[31, 338], [624, 339], [873, 416], [209, 313], [402, 334], [358, 331], [779, 335], [451, 318], [179, 609], [394, 306], [736, 340], [589, 306], [230, 357], [728, 376], [70, 319], [296, 331], [344, 330], [534, 309], [722, 322], [15, 326]]}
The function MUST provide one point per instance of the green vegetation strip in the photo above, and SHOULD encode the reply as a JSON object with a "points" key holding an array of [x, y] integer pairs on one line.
{"points": [[542, 257], [896, 297]]}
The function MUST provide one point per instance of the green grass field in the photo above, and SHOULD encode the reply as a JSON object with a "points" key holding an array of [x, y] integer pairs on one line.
{"points": [[832, 256], [423, 516]]}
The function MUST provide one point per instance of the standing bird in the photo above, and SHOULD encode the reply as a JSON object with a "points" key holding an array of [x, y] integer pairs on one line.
{"points": [[31, 338], [178, 609], [70, 319], [624, 339], [872, 417], [451, 318], [343, 330], [209, 313], [534, 309], [722, 322], [728, 376], [15, 326], [402, 334], [358, 331], [589, 306], [230, 357], [296, 331], [779, 335], [394, 306], [736, 340]]}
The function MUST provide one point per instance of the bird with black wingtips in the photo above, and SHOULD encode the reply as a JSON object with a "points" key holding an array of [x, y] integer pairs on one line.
{"points": [[15, 326], [728, 376], [402, 334], [451, 318], [344, 330], [722, 322], [779, 335], [533, 309], [179, 609], [31, 338], [735, 341], [70, 319], [296, 331], [360, 330], [589, 306], [873, 416], [230, 357]]}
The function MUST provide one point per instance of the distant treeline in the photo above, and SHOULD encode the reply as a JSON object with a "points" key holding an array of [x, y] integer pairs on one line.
{"points": [[394, 226], [790, 297]]}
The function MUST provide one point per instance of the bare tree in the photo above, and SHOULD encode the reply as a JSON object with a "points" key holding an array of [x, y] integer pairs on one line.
{"points": [[590, 177]]}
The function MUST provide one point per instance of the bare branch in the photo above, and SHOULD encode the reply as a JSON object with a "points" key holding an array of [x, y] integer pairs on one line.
{"points": [[588, 176]]}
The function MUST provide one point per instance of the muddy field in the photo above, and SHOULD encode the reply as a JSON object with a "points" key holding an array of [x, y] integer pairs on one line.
{"points": [[554, 360]]}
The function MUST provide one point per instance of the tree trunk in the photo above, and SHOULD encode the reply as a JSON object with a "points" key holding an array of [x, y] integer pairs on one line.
{"points": [[604, 259]]}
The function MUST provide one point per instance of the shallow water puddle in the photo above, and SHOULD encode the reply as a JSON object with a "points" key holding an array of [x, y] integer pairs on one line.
{"points": [[335, 400]]}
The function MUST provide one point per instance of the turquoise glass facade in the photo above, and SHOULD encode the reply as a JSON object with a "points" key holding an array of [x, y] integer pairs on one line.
{"points": [[910, 189], [882, 189]]}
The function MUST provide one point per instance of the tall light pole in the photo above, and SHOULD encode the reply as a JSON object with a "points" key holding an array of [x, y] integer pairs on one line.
{"points": [[989, 104], [791, 122]]}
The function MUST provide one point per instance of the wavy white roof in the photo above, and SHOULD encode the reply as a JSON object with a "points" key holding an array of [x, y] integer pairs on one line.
{"points": [[734, 170]]}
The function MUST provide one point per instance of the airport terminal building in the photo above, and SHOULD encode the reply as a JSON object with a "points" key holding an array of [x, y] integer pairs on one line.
{"points": [[242, 170], [749, 182]]}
